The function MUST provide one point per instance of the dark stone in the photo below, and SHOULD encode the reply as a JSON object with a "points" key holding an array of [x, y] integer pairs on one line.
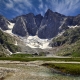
{"points": [[31, 24], [50, 24], [3, 23], [20, 27]]}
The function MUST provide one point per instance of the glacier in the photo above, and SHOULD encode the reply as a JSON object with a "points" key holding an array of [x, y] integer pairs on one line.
{"points": [[36, 42]]}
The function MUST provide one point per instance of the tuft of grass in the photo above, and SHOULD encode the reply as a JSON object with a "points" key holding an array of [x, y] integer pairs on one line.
{"points": [[73, 69], [21, 55]]}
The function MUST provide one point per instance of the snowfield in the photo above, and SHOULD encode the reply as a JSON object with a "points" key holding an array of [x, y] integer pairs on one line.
{"points": [[36, 42]]}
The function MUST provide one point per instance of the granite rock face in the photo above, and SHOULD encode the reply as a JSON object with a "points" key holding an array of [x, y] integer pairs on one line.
{"points": [[3, 23], [50, 24], [20, 27], [31, 23], [38, 19]]}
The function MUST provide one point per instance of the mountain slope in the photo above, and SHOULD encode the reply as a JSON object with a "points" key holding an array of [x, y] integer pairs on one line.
{"points": [[50, 24], [36, 31], [68, 43], [20, 27], [7, 44], [3, 23]]}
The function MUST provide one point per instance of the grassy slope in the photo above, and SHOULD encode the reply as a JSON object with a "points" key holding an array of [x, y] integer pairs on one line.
{"points": [[7, 42], [68, 43]]}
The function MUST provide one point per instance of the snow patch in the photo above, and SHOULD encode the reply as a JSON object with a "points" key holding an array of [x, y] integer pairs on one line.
{"points": [[16, 43], [73, 26], [10, 26], [36, 42]]}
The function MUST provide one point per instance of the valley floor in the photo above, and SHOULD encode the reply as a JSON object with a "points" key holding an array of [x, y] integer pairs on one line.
{"points": [[16, 70]]}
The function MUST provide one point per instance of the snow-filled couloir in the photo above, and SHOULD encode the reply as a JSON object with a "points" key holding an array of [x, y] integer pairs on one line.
{"points": [[10, 26]]}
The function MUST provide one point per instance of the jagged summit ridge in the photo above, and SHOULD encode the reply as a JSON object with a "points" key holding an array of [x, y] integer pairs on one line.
{"points": [[44, 27]]}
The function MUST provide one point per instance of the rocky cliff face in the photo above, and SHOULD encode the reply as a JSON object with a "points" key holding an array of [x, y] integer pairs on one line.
{"points": [[27, 24], [31, 24], [50, 24], [3, 23], [38, 19], [20, 27], [45, 27]]}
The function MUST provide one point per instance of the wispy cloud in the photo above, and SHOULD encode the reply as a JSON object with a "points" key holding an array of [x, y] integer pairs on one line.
{"points": [[9, 4], [19, 5], [64, 6], [41, 4], [42, 7]]}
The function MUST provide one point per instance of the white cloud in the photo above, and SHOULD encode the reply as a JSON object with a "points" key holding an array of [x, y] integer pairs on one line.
{"points": [[27, 3], [43, 7], [46, 8], [21, 5], [64, 6], [9, 4], [18, 11], [41, 4]]}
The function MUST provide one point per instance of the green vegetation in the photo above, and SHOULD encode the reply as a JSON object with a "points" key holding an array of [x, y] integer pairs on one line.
{"points": [[67, 68], [69, 36], [7, 42], [69, 43], [70, 50], [39, 58], [20, 55]]}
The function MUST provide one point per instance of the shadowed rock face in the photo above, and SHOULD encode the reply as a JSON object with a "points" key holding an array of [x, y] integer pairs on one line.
{"points": [[50, 24], [30, 22], [20, 27], [3, 23], [38, 19], [45, 27]]}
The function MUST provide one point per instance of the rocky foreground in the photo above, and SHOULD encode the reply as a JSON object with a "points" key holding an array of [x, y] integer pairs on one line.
{"points": [[15, 70]]}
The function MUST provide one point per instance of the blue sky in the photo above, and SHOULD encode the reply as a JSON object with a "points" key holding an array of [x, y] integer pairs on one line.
{"points": [[13, 8]]}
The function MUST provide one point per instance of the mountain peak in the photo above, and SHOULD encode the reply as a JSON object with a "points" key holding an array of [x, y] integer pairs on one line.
{"points": [[49, 10]]}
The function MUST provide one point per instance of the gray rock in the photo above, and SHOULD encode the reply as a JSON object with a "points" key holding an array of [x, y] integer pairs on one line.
{"points": [[20, 27], [3, 23], [31, 24], [38, 19], [50, 24]]}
